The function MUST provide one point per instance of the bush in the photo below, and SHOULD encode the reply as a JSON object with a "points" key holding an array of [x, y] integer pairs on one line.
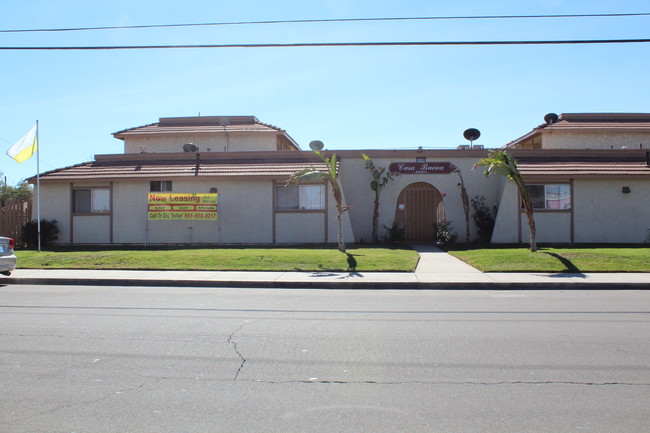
{"points": [[394, 234], [483, 218], [49, 232], [445, 235]]}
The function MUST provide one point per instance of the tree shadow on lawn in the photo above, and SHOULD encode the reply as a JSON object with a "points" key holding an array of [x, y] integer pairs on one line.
{"points": [[352, 268], [570, 267]]}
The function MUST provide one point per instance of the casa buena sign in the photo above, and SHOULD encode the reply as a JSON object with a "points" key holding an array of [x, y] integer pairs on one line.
{"points": [[420, 167]]}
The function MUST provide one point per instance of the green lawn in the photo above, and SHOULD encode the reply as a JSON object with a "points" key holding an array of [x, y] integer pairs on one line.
{"points": [[223, 259], [547, 259]]}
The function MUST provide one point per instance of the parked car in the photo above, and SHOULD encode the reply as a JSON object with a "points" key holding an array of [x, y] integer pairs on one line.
{"points": [[7, 257]]}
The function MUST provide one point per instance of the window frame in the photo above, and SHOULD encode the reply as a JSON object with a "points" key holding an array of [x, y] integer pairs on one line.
{"points": [[546, 186], [322, 186], [167, 184], [93, 197]]}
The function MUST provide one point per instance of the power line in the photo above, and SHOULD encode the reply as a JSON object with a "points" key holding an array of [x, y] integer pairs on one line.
{"points": [[329, 20], [329, 44]]}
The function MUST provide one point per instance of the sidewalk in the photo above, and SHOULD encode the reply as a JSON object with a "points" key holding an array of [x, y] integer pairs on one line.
{"points": [[436, 270]]}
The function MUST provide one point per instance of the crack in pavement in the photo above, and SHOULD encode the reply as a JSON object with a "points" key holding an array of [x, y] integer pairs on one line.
{"points": [[419, 382], [398, 382], [80, 403], [234, 345]]}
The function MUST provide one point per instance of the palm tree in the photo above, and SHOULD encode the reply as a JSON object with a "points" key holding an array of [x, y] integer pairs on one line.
{"points": [[312, 174], [377, 185], [500, 162]]}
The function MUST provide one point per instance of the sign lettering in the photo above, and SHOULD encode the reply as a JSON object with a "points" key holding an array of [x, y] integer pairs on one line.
{"points": [[173, 206], [421, 167]]}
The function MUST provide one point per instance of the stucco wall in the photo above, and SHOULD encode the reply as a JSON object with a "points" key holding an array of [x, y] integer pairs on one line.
{"points": [[95, 229], [594, 140], [550, 227], [300, 228], [55, 204], [233, 142], [506, 229], [244, 216], [356, 180], [603, 213]]}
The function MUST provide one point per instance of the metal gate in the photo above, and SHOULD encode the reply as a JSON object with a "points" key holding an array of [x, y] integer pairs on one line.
{"points": [[419, 210]]}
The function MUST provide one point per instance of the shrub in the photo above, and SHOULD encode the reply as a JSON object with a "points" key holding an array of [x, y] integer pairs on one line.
{"points": [[394, 234], [483, 218], [444, 234], [49, 232]]}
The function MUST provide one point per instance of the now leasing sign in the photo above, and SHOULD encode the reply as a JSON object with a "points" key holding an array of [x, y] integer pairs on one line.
{"points": [[168, 206]]}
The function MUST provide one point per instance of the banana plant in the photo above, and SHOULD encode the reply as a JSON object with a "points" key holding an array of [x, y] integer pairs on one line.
{"points": [[313, 175], [465, 200], [500, 162], [379, 181]]}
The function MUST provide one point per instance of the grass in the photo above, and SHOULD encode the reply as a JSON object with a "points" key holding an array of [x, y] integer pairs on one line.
{"points": [[551, 259], [223, 259]]}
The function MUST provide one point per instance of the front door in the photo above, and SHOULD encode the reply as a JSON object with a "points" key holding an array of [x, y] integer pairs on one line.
{"points": [[419, 209]]}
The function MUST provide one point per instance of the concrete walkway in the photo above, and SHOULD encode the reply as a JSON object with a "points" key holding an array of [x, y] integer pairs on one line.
{"points": [[436, 270]]}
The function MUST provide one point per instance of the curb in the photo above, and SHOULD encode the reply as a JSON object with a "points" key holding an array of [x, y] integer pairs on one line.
{"points": [[331, 285]]}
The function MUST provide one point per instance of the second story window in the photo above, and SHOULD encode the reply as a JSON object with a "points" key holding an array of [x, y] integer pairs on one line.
{"points": [[160, 186]]}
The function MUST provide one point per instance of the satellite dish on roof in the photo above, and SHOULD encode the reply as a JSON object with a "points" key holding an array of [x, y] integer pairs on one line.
{"points": [[190, 147], [471, 134], [551, 118], [316, 145]]}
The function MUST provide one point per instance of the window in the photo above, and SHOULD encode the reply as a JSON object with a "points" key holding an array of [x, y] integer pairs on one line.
{"points": [[93, 200], [300, 197], [160, 185], [552, 196]]}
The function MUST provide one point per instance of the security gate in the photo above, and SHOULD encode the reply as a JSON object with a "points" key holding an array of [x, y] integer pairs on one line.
{"points": [[419, 210]]}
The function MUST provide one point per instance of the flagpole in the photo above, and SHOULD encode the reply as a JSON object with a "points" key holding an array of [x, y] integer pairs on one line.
{"points": [[38, 186]]}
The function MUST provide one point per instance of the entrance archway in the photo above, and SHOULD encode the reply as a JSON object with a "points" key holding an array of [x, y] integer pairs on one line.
{"points": [[419, 209]]}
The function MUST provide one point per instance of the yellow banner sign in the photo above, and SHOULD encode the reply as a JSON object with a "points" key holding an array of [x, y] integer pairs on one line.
{"points": [[168, 206]]}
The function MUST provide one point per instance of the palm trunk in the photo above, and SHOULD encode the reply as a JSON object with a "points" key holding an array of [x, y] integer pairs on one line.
{"points": [[531, 227], [339, 222], [528, 206]]}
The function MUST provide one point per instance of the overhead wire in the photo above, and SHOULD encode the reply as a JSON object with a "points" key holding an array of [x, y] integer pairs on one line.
{"points": [[329, 20], [329, 44]]}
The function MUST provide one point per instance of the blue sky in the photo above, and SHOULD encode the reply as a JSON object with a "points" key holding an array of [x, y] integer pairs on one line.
{"points": [[350, 98]]}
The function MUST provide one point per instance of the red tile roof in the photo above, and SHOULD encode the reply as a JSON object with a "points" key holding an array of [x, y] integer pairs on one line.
{"points": [[199, 125], [125, 168], [577, 169], [637, 122], [601, 121], [572, 164], [204, 125]]}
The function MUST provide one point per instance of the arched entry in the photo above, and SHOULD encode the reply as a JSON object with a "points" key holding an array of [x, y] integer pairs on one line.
{"points": [[419, 209]]}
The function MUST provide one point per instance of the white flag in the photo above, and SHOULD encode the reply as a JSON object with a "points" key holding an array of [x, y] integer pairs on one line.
{"points": [[25, 147]]}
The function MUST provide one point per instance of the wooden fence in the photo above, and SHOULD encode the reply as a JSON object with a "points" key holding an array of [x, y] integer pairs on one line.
{"points": [[13, 216]]}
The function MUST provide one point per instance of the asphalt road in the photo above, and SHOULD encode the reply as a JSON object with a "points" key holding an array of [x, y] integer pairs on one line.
{"points": [[117, 359]]}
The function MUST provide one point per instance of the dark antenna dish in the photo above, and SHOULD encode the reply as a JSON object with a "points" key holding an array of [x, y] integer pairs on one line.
{"points": [[471, 134], [551, 118], [316, 145], [190, 147]]}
